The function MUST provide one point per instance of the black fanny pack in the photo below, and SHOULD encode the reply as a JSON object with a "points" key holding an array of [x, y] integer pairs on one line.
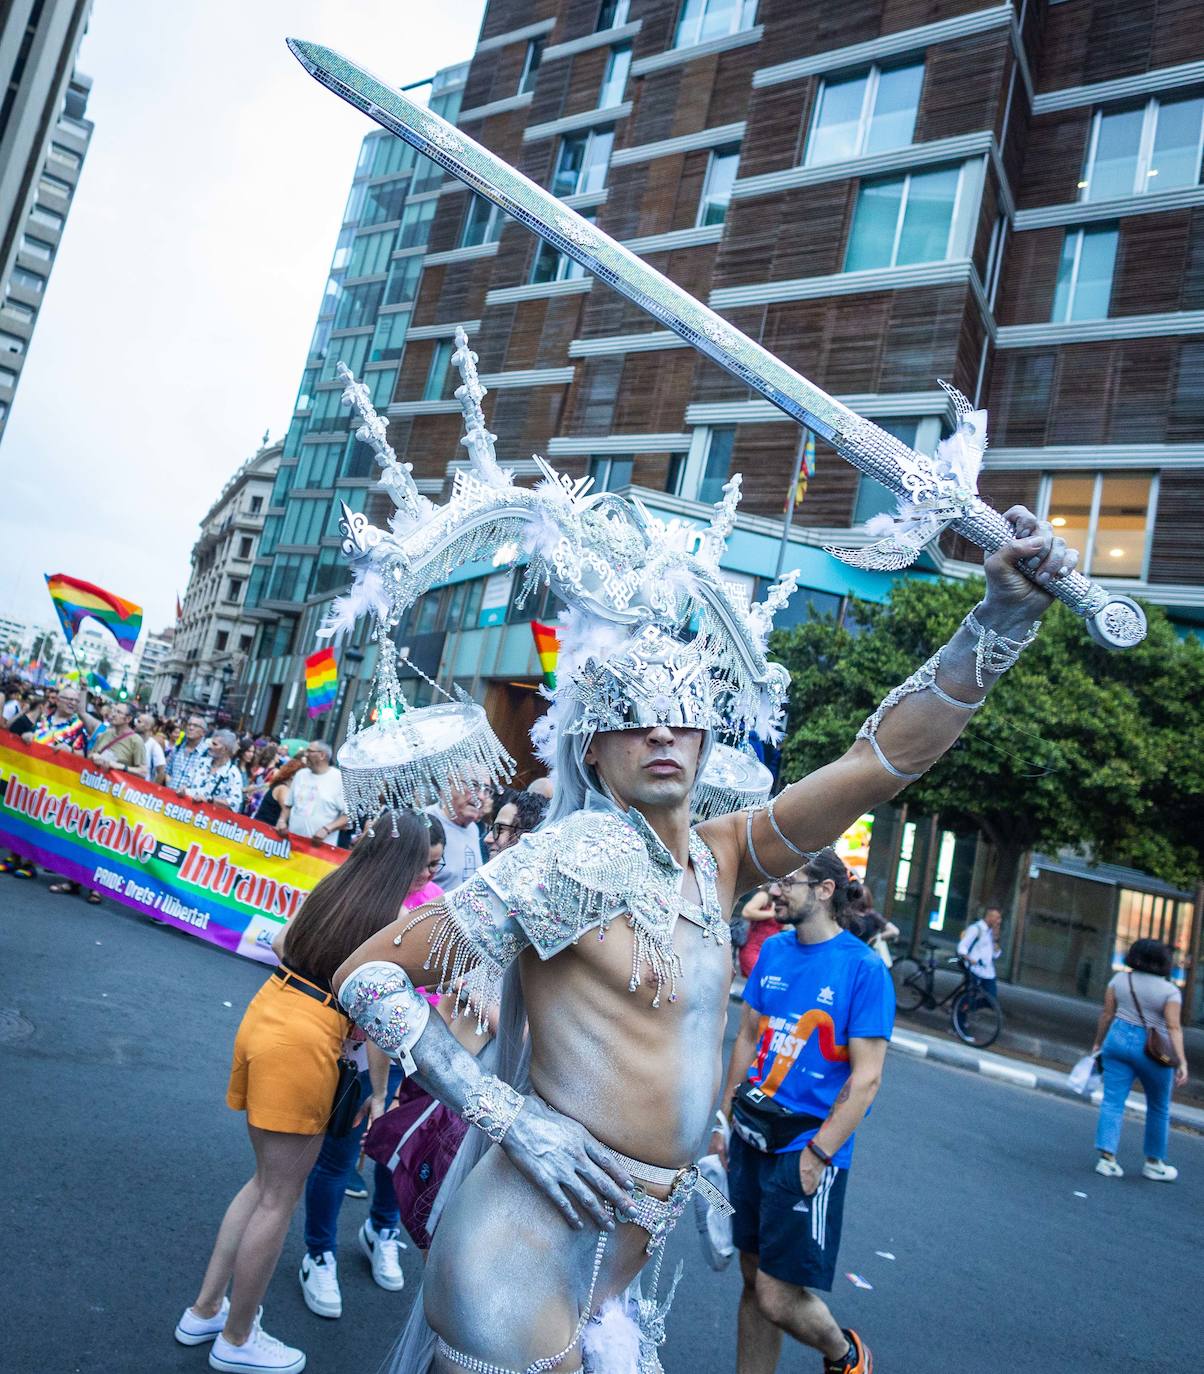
{"points": [[765, 1125]]}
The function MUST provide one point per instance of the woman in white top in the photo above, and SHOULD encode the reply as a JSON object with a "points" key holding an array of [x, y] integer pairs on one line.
{"points": [[1139, 998]]}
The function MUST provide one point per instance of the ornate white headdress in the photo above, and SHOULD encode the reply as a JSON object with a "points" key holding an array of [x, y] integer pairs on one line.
{"points": [[653, 631]]}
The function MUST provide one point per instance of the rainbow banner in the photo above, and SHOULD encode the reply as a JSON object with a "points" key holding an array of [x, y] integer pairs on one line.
{"points": [[321, 681], [209, 871], [547, 646], [77, 601]]}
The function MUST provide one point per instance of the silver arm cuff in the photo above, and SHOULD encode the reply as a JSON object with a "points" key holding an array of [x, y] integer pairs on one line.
{"points": [[386, 1006], [995, 652], [922, 680], [491, 1106]]}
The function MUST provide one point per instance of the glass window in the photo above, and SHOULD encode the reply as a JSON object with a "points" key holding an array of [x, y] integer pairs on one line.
{"points": [[402, 285], [552, 265], [389, 340], [1106, 517], [1120, 526], [370, 254], [416, 224], [351, 351], [717, 185], [8, 377], [717, 465], [384, 201], [391, 155], [305, 393], [256, 504], [11, 343], [359, 305], [51, 219], [439, 385], [893, 101], [358, 459], [612, 13], [342, 252], [614, 82], [1175, 158], [19, 309], [327, 411], [1084, 285], [482, 223], [868, 112], [526, 82], [610, 474], [31, 281], [581, 162], [66, 156], [1070, 501], [903, 220], [53, 185], [381, 385], [701, 20], [464, 604], [1154, 147], [37, 248]]}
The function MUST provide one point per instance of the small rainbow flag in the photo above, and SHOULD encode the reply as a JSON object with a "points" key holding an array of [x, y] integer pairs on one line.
{"points": [[321, 675], [77, 601], [547, 646]]}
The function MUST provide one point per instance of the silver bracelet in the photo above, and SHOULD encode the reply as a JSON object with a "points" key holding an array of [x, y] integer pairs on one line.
{"points": [[492, 1106], [995, 652]]}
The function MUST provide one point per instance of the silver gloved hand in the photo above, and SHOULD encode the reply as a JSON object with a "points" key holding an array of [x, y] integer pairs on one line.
{"points": [[560, 1157]]}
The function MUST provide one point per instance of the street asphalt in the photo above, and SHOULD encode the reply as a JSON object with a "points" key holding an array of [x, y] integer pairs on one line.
{"points": [[973, 1215]]}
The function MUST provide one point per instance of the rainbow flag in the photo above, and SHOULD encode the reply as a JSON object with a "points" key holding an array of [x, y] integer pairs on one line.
{"points": [[547, 646], [77, 601], [321, 675]]}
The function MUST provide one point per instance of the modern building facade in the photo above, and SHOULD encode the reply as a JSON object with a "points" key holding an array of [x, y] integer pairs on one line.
{"points": [[204, 665], [1006, 196], [44, 138]]}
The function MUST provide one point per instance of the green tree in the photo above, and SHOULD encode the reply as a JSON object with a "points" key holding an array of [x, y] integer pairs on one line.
{"points": [[104, 666], [1077, 745]]}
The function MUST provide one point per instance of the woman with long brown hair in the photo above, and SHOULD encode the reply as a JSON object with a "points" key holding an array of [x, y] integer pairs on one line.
{"points": [[284, 1075]]}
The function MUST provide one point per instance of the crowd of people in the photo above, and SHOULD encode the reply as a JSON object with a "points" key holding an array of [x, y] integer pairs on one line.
{"points": [[320, 1099]]}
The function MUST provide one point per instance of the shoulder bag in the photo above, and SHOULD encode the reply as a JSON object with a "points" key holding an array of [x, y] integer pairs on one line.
{"points": [[1157, 1046]]}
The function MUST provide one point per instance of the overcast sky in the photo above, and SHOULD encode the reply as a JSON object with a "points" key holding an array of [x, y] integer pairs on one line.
{"points": [[181, 303]]}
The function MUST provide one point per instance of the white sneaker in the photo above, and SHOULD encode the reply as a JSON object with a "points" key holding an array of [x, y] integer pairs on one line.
{"points": [[194, 1330], [1109, 1168], [259, 1352], [320, 1285], [1160, 1171], [383, 1249]]}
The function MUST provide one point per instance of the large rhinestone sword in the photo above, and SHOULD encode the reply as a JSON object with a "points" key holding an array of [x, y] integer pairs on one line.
{"points": [[1114, 620]]}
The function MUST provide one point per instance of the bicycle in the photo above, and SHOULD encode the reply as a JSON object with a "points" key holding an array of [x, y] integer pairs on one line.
{"points": [[975, 1017]]}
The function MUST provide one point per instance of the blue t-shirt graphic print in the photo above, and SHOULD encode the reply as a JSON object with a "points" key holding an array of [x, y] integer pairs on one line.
{"points": [[812, 1000]]}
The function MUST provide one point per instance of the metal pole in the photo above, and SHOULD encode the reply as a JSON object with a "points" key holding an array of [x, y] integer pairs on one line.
{"points": [[789, 520]]}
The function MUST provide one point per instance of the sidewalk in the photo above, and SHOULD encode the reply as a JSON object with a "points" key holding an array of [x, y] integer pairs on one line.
{"points": [[946, 1050], [1044, 1036], [1049, 1029]]}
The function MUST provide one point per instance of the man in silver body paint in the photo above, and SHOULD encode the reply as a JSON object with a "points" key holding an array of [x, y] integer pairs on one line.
{"points": [[508, 1285]]}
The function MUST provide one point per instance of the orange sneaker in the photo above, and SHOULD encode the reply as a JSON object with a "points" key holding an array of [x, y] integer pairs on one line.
{"points": [[857, 1361]]}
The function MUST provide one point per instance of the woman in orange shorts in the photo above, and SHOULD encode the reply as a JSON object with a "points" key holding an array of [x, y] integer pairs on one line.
{"points": [[284, 1075]]}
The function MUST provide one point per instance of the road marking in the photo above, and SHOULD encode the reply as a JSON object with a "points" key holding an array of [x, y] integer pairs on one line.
{"points": [[1024, 1077]]}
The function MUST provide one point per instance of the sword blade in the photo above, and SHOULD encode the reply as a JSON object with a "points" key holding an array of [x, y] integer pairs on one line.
{"points": [[1113, 620]]}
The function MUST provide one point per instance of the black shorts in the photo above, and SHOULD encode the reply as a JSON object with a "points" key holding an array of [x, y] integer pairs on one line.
{"points": [[795, 1238]]}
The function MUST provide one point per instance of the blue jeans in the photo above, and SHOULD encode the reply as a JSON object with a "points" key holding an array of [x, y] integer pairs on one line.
{"points": [[326, 1186], [988, 985], [1124, 1057]]}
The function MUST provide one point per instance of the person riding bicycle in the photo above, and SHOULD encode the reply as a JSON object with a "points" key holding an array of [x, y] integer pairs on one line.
{"points": [[979, 947]]}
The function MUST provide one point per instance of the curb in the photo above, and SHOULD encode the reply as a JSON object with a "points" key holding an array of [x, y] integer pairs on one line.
{"points": [[1036, 1079]]}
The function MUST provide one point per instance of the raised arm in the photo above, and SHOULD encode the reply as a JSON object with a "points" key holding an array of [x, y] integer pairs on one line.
{"points": [[915, 724]]}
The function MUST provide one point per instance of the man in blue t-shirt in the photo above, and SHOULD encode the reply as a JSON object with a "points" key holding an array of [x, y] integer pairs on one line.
{"points": [[819, 1010]]}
